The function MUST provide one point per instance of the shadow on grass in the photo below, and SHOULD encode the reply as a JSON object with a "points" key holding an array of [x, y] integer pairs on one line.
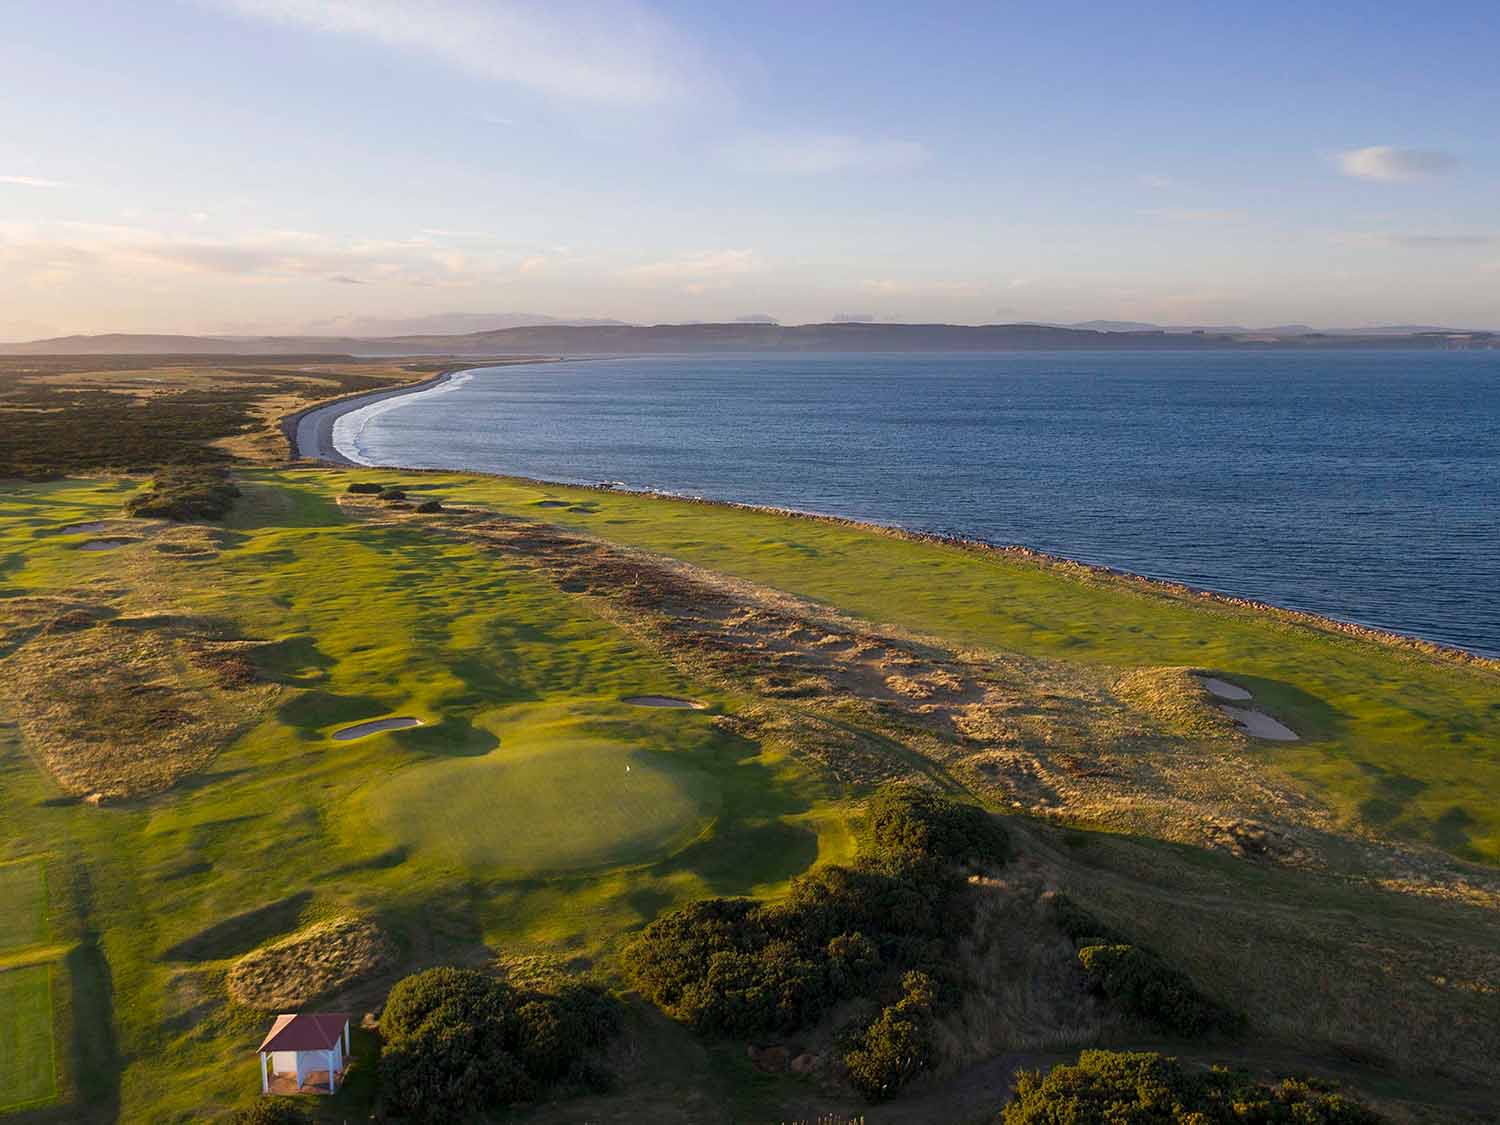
{"points": [[297, 661], [1311, 717], [313, 710], [243, 932], [451, 738]]}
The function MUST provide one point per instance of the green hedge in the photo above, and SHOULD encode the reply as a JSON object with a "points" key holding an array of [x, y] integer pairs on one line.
{"points": [[1118, 1088]]}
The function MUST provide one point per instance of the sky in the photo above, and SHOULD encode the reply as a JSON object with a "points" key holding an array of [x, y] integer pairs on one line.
{"points": [[325, 166]]}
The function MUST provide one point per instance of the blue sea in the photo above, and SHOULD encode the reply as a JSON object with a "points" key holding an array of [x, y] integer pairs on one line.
{"points": [[1363, 485]]}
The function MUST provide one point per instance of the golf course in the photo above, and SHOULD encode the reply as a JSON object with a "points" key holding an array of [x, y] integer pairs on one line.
{"points": [[514, 729]]}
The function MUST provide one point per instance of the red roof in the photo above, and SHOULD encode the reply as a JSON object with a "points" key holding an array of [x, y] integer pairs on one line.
{"points": [[305, 1031]]}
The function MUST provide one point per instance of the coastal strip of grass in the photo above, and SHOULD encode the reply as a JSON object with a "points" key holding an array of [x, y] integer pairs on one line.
{"points": [[1395, 739]]}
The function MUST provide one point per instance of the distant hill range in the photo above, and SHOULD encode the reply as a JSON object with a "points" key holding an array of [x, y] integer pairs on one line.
{"points": [[628, 339]]}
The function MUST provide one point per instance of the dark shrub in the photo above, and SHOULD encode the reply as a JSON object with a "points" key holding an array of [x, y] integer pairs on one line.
{"points": [[271, 1111], [393, 493], [1149, 1089], [853, 961], [459, 1041], [897, 1046], [1145, 986], [430, 506], [737, 967], [1081, 927], [368, 487], [911, 819], [185, 494]]}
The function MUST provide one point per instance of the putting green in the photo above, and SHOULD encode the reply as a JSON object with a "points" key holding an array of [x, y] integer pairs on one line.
{"points": [[548, 808], [23, 904], [27, 1071]]}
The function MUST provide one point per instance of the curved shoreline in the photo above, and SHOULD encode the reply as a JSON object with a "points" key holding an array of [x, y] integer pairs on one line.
{"points": [[314, 426], [309, 431]]}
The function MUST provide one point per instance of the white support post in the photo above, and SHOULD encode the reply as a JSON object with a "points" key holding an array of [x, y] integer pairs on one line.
{"points": [[346, 1037], [331, 1088], [265, 1079], [297, 1066]]}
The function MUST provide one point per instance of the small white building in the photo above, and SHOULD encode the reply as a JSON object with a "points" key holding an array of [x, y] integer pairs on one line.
{"points": [[305, 1053]]}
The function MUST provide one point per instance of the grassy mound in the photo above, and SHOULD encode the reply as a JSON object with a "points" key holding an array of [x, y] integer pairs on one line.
{"points": [[318, 961], [1113, 1088]]}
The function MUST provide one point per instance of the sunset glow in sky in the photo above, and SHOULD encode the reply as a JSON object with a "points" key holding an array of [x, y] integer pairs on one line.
{"points": [[350, 165]]}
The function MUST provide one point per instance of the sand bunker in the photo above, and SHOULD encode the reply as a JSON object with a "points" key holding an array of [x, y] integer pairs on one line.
{"points": [[669, 701], [105, 544], [1223, 689], [1258, 724], [374, 726], [84, 528]]}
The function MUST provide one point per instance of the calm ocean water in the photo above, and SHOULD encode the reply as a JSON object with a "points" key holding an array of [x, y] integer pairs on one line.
{"points": [[1361, 485]]}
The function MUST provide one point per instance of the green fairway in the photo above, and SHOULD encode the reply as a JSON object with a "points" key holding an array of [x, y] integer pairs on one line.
{"points": [[28, 1073], [23, 904], [551, 802]]}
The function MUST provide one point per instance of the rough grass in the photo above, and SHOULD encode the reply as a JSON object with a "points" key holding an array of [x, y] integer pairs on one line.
{"points": [[312, 964], [28, 1075], [23, 904]]}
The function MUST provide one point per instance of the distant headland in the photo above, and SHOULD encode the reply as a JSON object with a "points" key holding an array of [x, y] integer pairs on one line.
{"points": [[627, 339]]}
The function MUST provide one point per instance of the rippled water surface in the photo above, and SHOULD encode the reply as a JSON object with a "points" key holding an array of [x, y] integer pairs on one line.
{"points": [[1362, 485]]}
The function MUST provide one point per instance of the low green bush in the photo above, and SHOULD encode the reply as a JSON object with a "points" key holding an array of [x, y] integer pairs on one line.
{"points": [[429, 506], [186, 494], [912, 820], [459, 1042], [741, 968], [1144, 1088], [1081, 927], [897, 1046], [1143, 985], [366, 487], [393, 494]]}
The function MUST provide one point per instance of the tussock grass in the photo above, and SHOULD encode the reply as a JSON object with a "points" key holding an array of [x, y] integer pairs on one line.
{"points": [[314, 963]]}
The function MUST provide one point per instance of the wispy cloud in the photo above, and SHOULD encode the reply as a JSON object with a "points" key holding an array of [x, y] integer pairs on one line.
{"points": [[819, 153], [1209, 216], [891, 287], [31, 181], [707, 266], [1419, 241], [604, 51], [1390, 164], [64, 249]]}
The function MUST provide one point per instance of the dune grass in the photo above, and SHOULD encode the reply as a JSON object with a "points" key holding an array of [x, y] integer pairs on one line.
{"points": [[28, 1075]]}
